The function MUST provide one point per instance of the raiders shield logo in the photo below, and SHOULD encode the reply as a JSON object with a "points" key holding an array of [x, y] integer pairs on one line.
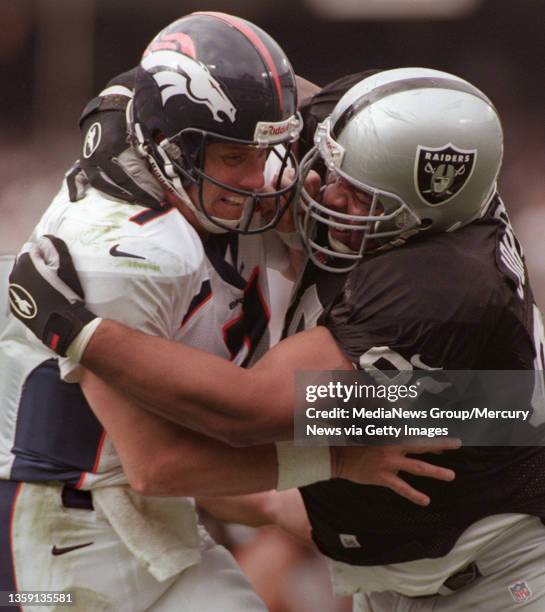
{"points": [[441, 173]]}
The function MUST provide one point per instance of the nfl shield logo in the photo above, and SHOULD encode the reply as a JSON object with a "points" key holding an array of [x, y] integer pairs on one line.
{"points": [[520, 591], [441, 173]]}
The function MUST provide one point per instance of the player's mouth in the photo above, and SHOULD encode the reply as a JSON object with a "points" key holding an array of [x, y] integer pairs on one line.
{"points": [[231, 207], [351, 239], [236, 201]]}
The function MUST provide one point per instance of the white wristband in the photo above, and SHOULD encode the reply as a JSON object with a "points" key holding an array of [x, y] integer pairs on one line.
{"points": [[80, 342], [301, 465]]}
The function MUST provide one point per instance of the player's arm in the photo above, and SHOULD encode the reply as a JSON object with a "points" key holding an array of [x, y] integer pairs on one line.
{"points": [[285, 509], [162, 459], [47, 276], [193, 388], [207, 393]]}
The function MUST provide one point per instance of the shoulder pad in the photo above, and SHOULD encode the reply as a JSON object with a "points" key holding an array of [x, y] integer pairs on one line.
{"points": [[115, 96]]}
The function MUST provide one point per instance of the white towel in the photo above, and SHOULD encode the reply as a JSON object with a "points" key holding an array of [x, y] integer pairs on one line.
{"points": [[161, 532]]}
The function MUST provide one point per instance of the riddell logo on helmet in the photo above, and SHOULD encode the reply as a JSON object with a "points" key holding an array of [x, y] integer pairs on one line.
{"points": [[274, 130], [177, 74], [270, 131]]}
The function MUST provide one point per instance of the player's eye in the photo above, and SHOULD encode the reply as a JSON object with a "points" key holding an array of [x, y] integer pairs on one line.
{"points": [[233, 159]]}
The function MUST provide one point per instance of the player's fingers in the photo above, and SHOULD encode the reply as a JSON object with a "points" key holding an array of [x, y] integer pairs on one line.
{"points": [[404, 489], [427, 470], [287, 178], [312, 184]]}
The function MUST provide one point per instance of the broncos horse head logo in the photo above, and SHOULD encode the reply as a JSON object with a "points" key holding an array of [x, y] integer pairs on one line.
{"points": [[180, 75]]}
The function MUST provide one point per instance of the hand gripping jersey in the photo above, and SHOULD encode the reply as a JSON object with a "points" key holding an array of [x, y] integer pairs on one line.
{"points": [[459, 301], [147, 269]]}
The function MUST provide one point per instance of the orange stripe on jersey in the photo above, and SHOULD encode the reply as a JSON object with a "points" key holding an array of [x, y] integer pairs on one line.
{"points": [[99, 452], [81, 480], [150, 214], [94, 469]]}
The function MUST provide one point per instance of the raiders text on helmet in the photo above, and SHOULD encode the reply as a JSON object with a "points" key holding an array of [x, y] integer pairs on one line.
{"points": [[425, 145]]}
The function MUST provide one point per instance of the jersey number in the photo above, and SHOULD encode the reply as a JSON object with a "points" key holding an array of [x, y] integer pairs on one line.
{"points": [[243, 333]]}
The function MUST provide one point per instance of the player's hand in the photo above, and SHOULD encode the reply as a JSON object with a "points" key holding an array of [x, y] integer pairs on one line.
{"points": [[380, 465], [286, 225], [45, 294], [268, 206]]}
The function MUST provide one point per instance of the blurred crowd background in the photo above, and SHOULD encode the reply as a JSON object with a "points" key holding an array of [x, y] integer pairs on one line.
{"points": [[56, 54]]}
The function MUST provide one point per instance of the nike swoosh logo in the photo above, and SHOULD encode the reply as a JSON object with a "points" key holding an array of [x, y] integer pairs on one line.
{"points": [[66, 549], [115, 252]]}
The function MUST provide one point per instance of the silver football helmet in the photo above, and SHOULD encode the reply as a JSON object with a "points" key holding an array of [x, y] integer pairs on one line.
{"points": [[425, 145]]}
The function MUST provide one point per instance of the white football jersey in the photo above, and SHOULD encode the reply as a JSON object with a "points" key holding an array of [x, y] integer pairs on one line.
{"points": [[148, 270]]}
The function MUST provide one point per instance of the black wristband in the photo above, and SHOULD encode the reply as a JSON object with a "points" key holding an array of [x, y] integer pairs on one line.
{"points": [[62, 327]]}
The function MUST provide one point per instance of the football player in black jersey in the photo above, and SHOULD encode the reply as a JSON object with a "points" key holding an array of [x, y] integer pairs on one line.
{"points": [[436, 279]]}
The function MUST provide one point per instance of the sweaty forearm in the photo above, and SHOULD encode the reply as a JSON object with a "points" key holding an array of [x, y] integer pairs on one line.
{"points": [[197, 466], [188, 386], [205, 393], [163, 459]]}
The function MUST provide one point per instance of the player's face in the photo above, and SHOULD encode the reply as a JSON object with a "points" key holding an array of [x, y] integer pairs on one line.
{"points": [[238, 166], [341, 196]]}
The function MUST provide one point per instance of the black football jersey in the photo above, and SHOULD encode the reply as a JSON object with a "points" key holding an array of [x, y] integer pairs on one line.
{"points": [[455, 301]]}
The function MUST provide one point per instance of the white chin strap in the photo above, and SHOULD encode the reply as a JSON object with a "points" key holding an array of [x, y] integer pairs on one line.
{"points": [[339, 246]]}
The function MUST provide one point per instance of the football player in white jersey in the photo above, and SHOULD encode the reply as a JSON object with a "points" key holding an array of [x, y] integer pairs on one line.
{"points": [[204, 133], [436, 280], [203, 120]]}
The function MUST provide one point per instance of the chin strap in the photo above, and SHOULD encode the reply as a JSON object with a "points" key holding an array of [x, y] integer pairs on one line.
{"points": [[338, 246]]}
